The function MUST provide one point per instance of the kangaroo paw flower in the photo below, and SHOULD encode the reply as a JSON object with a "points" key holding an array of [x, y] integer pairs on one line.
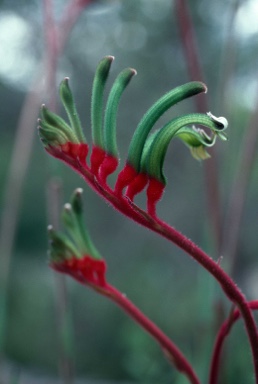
{"points": [[147, 150]]}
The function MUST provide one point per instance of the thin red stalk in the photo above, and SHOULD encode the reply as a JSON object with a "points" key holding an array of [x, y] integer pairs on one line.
{"points": [[228, 285], [170, 349], [195, 73], [221, 337]]}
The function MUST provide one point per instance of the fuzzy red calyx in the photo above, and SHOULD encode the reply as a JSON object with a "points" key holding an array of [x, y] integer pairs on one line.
{"points": [[97, 156], [136, 185], [85, 270], [75, 151], [107, 167], [124, 178], [154, 193]]}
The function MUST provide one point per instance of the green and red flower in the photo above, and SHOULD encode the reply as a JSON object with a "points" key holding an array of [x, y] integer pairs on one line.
{"points": [[147, 150]]}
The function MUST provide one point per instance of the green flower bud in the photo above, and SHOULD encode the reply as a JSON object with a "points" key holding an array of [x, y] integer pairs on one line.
{"points": [[115, 94], [69, 104], [98, 87], [51, 120]]}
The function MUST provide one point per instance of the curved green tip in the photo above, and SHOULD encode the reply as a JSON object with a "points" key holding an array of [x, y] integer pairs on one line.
{"points": [[99, 82], [70, 107], [154, 113], [156, 148], [120, 83]]}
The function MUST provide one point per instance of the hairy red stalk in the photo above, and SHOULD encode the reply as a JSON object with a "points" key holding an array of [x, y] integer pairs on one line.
{"points": [[221, 336], [228, 285], [170, 349], [90, 271]]}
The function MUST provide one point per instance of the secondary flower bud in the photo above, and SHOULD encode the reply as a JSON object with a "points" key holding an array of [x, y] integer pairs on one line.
{"points": [[73, 252]]}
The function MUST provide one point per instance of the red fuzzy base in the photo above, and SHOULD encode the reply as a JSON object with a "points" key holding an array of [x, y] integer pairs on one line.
{"points": [[97, 156], [124, 178], [136, 185], [154, 193], [76, 151], [86, 270], [108, 166]]}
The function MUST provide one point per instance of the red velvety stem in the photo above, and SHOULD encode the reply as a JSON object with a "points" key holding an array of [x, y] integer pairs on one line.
{"points": [[221, 336], [90, 271], [170, 349], [227, 284]]}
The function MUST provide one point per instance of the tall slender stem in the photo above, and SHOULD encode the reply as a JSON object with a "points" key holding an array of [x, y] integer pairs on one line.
{"points": [[171, 350], [227, 284]]}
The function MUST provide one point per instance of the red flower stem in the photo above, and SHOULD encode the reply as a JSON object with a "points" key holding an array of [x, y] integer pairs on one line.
{"points": [[155, 224], [170, 349], [228, 285], [221, 336]]}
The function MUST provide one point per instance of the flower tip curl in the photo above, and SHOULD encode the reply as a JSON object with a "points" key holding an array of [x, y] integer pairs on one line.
{"points": [[219, 120]]}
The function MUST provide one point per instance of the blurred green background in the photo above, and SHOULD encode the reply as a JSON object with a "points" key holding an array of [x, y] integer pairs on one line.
{"points": [[104, 345]]}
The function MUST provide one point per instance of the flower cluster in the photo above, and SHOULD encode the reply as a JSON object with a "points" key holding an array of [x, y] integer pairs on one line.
{"points": [[147, 150]]}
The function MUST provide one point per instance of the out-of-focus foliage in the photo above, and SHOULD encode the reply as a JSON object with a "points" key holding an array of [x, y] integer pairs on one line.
{"points": [[158, 277]]}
